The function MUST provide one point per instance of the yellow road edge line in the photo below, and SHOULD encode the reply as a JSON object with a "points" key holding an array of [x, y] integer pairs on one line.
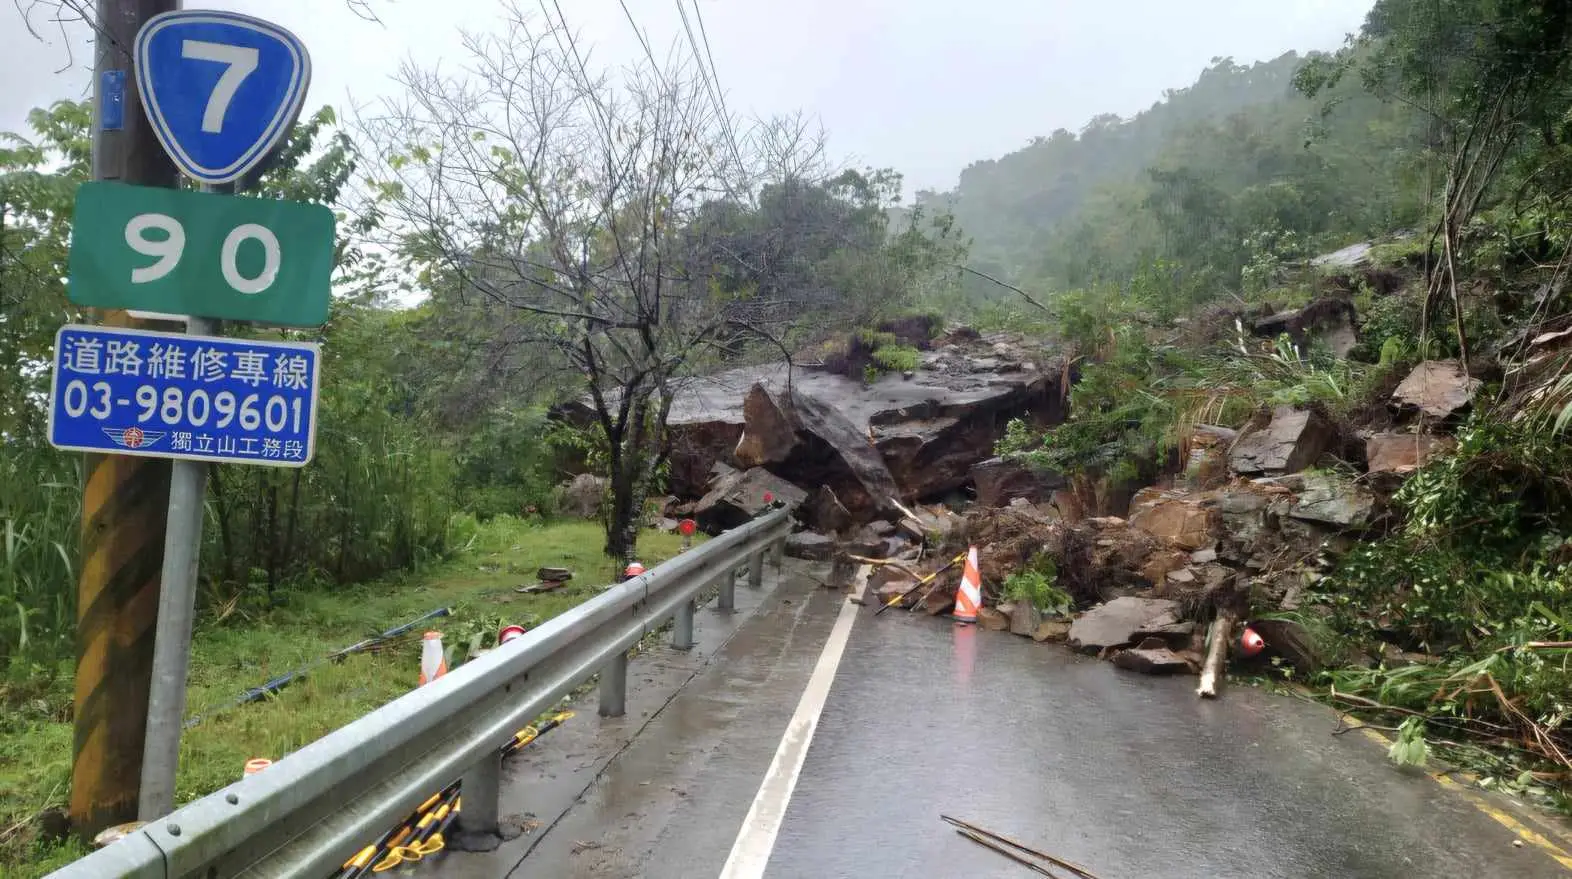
{"points": [[1505, 820], [1523, 832]]}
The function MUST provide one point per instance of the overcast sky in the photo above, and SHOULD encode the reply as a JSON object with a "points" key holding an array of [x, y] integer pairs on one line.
{"points": [[924, 86]]}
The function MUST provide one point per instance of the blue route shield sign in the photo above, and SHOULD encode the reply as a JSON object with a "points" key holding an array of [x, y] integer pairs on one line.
{"points": [[221, 89], [200, 398]]}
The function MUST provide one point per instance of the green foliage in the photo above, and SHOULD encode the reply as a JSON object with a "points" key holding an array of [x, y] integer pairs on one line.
{"points": [[1480, 556], [1409, 748], [1388, 319], [897, 358], [1119, 416], [886, 354], [1036, 584], [233, 653], [379, 494], [505, 466]]}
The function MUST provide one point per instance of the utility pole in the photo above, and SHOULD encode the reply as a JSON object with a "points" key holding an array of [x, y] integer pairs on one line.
{"points": [[124, 499]]}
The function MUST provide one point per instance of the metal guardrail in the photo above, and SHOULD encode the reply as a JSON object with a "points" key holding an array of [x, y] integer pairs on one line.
{"points": [[314, 809]]}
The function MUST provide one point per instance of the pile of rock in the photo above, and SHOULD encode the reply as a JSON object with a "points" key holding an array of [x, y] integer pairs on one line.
{"points": [[850, 449], [1248, 524]]}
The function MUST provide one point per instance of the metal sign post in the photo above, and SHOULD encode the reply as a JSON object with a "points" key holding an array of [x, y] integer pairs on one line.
{"points": [[221, 92]]}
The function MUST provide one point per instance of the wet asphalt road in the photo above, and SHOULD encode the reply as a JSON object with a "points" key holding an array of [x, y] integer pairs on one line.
{"points": [[1130, 776]]}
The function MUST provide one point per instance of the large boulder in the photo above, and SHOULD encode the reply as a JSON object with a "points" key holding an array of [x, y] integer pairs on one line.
{"points": [[1333, 500], [1001, 480], [1115, 624], [928, 426], [736, 500], [1175, 516], [1328, 321], [824, 512], [1402, 452], [810, 546], [769, 430], [1291, 441], [696, 448], [812, 442], [834, 452], [1437, 388]]}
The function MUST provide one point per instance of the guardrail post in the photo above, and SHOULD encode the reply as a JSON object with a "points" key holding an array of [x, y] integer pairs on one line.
{"points": [[778, 554], [682, 627], [728, 591], [481, 790], [756, 569], [614, 686]]}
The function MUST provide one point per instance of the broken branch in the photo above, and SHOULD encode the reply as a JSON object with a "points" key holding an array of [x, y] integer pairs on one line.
{"points": [[972, 831], [922, 581], [1216, 654]]}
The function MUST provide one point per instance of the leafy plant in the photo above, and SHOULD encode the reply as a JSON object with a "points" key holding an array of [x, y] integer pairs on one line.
{"points": [[1409, 747], [1036, 584]]}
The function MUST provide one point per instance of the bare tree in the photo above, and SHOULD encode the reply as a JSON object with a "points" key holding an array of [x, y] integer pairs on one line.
{"points": [[573, 198]]}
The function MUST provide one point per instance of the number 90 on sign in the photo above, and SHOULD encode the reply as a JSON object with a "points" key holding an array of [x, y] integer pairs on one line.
{"points": [[216, 256], [168, 250]]}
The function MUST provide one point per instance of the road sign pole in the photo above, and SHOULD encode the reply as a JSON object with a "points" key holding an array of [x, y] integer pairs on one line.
{"points": [[166, 704], [218, 91], [123, 498]]}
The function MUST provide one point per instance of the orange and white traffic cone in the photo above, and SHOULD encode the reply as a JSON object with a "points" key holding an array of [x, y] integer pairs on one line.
{"points": [[968, 598], [433, 664]]}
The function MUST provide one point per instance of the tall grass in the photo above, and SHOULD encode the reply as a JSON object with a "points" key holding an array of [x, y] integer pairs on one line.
{"points": [[40, 505], [377, 498]]}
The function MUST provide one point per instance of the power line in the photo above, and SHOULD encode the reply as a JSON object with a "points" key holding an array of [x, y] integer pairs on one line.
{"points": [[648, 53], [714, 90], [715, 75]]}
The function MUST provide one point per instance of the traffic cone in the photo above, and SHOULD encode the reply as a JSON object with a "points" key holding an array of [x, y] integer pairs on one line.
{"points": [[1250, 642], [968, 598], [508, 633], [433, 664]]}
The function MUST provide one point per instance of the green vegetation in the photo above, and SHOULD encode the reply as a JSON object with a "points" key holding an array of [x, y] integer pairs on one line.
{"points": [[592, 275], [1155, 242], [1036, 584], [474, 359], [242, 649]]}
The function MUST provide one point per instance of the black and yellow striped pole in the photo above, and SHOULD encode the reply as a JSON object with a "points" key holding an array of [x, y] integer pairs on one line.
{"points": [[124, 499]]}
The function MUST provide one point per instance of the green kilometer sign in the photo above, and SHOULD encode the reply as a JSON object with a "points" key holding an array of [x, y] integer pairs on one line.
{"points": [[216, 256]]}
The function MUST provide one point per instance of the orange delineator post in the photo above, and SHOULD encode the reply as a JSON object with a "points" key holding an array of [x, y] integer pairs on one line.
{"points": [[968, 598], [433, 664]]}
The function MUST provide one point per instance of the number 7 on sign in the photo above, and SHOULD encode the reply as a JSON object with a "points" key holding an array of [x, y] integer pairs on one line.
{"points": [[240, 62]]}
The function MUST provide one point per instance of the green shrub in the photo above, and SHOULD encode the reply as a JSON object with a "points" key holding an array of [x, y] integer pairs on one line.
{"points": [[1036, 584], [1481, 553], [897, 358]]}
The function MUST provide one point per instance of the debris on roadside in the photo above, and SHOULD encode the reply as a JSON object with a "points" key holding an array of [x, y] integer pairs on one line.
{"points": [[549, 579], [1019, 852]]}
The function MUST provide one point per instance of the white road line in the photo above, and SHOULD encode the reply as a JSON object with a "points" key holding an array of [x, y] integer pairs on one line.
{"points": [[750, 854]]}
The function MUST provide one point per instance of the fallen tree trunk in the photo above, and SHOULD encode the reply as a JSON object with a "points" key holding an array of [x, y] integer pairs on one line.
{"points": [[1216, 654]]}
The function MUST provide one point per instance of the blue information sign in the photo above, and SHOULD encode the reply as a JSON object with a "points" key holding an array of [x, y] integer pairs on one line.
{"points": [[166, 395], [221, 89]]}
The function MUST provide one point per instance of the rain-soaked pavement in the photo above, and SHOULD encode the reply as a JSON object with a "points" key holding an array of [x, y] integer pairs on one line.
{"points": [[1127, 775]]}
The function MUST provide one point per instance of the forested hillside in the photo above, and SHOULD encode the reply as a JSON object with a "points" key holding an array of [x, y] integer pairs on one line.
{"points": [[1241, 169]]}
